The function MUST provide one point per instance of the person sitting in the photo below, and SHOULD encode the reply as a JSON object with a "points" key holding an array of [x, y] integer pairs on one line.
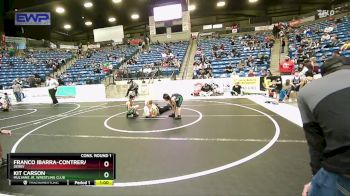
{"points": [[283, 95], [229, 69], [287, 66], [273, 89], [131, 109], [236, 89], [152, 110], [325, 37], [346, 46], [235, 52], [328, 29], [251, 73]]}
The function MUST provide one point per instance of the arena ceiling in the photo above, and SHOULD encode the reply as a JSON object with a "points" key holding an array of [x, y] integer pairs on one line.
{"points": [[76, 14]]}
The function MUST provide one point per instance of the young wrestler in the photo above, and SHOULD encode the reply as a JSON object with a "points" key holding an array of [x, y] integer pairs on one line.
{"points": [[5, 103], [175, 102], [131, 108], [152, 110]]}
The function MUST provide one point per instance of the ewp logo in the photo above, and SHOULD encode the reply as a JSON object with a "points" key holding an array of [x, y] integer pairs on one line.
{"points": [[33, 18]]}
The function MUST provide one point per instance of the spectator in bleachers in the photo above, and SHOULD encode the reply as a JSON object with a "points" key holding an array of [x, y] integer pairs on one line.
{"points": [[89, 80], [31, 81], [336, 53], [315, 45], [263, 72], [298, 37], [232, 40], [222, 46], [235, 52], [229, 68], [199, 52], [287, 66], [209, 73], [250, 61], [323, 57], [300, 55], [329, 28], [346, 46], [315, 67], [325, 37], [275, 31], [268, 73], [283, 45], [251, 73]]}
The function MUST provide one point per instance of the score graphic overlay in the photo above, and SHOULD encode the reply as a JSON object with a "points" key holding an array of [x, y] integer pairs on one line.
{"points": [[61, 169]]}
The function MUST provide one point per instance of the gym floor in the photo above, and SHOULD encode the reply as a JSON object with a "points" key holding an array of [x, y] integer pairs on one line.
{"points": [[219, 147]]}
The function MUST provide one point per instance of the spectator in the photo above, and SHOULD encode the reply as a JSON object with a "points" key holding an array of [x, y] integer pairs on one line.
{"points": [[335, 53], [346, 46], [296, 82], [325, 37], [283, 45], [286, 88], [329, 29], [222, 46], [328, 137], [315, 67], [287, 66], [251, 73], [273, 89], [17, 90], [263, 72], [31, 81], [89, 81], [236, 89], [229, 69], [268, 73]]}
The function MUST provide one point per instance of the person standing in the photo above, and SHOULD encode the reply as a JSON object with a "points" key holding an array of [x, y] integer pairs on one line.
{"points": [[133, 87], [324, 107], [283, 45], [175, 101], [52, 84], [17, 90], [3, 132]]}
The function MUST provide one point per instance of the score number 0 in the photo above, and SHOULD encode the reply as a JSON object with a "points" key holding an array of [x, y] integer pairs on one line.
{"points": [[106, 164]]}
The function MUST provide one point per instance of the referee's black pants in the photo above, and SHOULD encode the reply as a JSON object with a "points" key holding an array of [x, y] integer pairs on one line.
{"points": [[52, 93]]}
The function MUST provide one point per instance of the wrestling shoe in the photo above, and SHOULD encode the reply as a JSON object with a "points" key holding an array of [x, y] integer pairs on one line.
{"points": [[178, 117]]}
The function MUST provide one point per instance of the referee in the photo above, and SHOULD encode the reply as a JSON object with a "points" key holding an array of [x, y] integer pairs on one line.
{"points": [[324, 105], [52, 85]]}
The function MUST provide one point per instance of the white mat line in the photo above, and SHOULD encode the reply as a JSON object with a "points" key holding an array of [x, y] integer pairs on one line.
{"points": [[163, 116], [199, 105], [167, 139]]}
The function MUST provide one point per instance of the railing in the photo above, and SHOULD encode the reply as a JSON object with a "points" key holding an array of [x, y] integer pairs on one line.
{"points": [[156, 72]]}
